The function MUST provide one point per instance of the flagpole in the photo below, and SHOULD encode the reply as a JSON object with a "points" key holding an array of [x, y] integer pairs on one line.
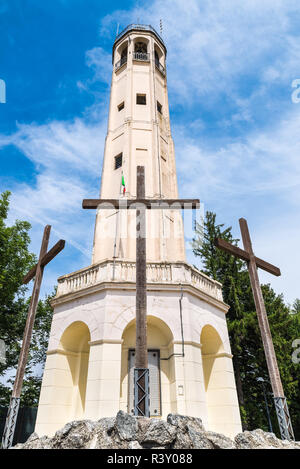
{"points": [[121, 183]]}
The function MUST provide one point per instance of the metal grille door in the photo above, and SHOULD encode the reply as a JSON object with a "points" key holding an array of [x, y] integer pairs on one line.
{"points": [[154, 382]]}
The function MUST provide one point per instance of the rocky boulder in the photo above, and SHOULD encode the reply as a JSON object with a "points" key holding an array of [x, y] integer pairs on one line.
{"points": [[258, 439], [127, 432]]}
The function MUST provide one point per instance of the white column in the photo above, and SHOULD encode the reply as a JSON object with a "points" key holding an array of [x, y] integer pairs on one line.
{"points": [[55, 403], [222, 401], [103, 383]]}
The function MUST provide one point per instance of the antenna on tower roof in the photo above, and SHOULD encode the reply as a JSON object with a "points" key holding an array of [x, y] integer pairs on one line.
{"points": [[117, 29], [161, 26]]}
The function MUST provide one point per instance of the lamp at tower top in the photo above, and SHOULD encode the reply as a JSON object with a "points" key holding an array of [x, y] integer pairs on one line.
{"points": [[140, 27]]}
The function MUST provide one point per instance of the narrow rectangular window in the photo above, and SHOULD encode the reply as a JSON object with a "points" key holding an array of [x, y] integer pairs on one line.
{"points": [[121, 106], [118, 161], [159, 107], [140, 99]]}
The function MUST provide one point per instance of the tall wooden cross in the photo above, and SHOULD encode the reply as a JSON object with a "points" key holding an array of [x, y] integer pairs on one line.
{"points": [[140, 204], [253, 263], [37, 272]]}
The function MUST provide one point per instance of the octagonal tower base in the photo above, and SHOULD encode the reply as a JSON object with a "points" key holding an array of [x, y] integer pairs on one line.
{"points": [[88, 367]]}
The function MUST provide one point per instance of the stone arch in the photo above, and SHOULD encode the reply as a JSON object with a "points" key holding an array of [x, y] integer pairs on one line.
{"points": [[211, 341], [122, 52], [158, 55], [74, 358], [160, 338], [141, 49], [201, 323], [60, 324], [141, 45], [127, 317], [215, 373]]}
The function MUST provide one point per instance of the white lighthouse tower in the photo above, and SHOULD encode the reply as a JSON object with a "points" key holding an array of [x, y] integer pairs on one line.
{"points": [[90, 360]]}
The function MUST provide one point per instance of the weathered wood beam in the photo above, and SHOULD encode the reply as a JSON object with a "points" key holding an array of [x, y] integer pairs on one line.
{"points": [[31, 317], [244, 255], [59, 246], [272, 269], [231, 249], [262, 314], [170, 204], [141, 351]]}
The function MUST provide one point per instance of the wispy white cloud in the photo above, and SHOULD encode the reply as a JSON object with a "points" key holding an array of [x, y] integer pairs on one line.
{"points": [[232, 52], [257, 177], [67, 157], [263, 161], [214, 41], [275, 241], [74, 145], [100, 61]]}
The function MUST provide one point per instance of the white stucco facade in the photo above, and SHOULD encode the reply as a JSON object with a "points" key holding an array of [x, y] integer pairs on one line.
{"points": [[93, 328]]}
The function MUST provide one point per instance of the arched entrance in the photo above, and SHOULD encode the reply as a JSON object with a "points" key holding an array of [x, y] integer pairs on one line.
{"points": [[74, 348], [161, 367], [214, 374]]}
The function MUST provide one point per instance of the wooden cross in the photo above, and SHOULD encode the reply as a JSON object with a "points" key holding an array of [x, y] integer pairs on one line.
{"points": [[253, 263], [37, 272], [140, 204]]}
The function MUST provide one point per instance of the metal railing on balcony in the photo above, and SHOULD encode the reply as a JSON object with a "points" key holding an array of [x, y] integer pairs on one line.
{"points": [[141, 56], [120, 63], [160, 67]]}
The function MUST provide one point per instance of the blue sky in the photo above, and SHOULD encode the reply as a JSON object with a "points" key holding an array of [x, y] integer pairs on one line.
{"points": [[230, 68]]}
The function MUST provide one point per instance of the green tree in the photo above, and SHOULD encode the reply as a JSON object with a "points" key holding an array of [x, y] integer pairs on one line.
{"points": [[296, 306], [236, 286], [36, 360], [15, 261], [248, 354]]}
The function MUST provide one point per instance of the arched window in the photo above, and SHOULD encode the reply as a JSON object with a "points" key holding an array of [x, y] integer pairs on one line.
{"points": [[121, 56], [124, 55], [140, 47], [140, 51], [156, 58]]}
